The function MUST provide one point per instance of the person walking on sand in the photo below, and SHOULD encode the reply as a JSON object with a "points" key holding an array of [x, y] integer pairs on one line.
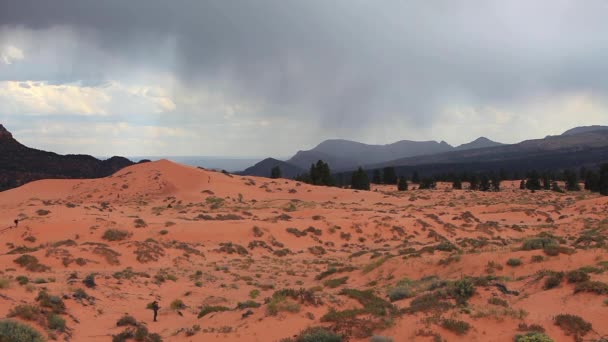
{"points": [[155, 308]]}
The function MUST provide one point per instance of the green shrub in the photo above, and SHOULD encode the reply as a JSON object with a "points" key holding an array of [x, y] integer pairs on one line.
{"points": [[538, 243], [596, 287], [553, 280], [399, 293], [22, 280], [462, 290], [282, 304], [13, 331], [498, 301], [54, 303], [178, 304], [5, 283], [31, 263], [27, 312], [318, 334], [56, 322], [513, 262], [456, 326], [207, 309], [126, 320], [248, 304], [140, 223], [533, 337], [333, 283], [577, 276], [573, 325], [114, 234]]}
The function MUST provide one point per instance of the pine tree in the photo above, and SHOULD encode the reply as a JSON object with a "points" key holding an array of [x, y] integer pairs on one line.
{"points": [[389, 175], [484, 183], [592, 181], [603, 183], [402, 185], [377, 179], [473, 182], [533, 182], [427, 183], [546, 181], [495, 183], [457, 183], [522, 185], [571, 181], [359, 180], [275, 172], [415, 178]]}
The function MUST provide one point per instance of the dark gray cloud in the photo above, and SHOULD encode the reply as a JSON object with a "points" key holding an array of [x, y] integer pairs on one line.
{"points": [[345, 64]]}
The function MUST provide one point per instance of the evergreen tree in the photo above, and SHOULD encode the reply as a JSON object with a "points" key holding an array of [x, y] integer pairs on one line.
{"points": [[473, 182], [533, 182], [402, 185], [457, 183], [571, 181], [376, 179], [603, 183], [546, 181], [555, 187], [389, 175], [427, 183], [359, 180], [484, 183], [415, 178], [592, 181], [275, 172], [522, 185], [495, 183]]}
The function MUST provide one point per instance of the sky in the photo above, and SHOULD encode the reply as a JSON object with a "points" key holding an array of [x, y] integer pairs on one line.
{"points": [[271, 77]]}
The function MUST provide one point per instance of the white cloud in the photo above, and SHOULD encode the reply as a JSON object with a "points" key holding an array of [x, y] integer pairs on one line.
{"points": [[10, 54]]}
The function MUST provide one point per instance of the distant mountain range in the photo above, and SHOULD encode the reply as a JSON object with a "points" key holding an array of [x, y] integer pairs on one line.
{"points": [[20, 164], [579, 146]]}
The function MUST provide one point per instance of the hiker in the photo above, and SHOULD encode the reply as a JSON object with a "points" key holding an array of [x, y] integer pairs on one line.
{"points": [[16, 223], [155, 307]]}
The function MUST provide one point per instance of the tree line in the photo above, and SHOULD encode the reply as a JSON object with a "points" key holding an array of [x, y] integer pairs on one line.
{"points": [[594, 180]]}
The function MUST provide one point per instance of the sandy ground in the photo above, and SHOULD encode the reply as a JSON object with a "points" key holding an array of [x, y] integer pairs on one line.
{"points": [[179, 219]]}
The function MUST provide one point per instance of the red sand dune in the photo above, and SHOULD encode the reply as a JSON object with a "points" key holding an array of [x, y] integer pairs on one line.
{"points": [[420, 240]]}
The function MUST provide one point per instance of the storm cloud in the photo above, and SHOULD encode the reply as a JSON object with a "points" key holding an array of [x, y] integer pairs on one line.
{"points": [[302, 71]]}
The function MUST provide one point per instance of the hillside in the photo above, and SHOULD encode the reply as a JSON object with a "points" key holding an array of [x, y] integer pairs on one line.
{"points": [[262, 169], [20, 164], [233, 258]]}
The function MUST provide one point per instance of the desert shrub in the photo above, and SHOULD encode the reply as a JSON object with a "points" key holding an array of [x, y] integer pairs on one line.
{"points": [[282, 304], [42, 212], [31, 263], [13, 331], [462, 290], [537, 258], [333, 283], [22, 280], [497, 301], [27, 312], [429, 302], [177, 304], [56, 322], [596, 287], [533, 337], [514, 262], [114, 234], [5, 283], [577, 276], [318, 334], [399, 293], [381, 339], [456, 326], [140, 223], [248, 304], [553, 280], [207, 309], [539, 243], [89, 281], [126, 320], [573, 325], [55, 303]]}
